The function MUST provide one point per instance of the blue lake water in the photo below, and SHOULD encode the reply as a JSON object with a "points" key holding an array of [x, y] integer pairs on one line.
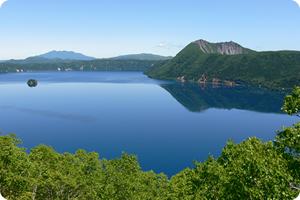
{"points": [[166, 124]]}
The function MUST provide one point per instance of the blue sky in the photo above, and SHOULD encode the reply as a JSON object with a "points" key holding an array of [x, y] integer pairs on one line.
{"points": [[105, 29]]}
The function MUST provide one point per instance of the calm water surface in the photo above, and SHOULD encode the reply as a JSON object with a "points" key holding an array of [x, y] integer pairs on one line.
{"points": [[166, 124]]}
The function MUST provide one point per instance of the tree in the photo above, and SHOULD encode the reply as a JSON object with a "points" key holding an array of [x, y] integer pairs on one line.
{"points": [[123, 179], [14, 168], [247, 170], [287, 141]]}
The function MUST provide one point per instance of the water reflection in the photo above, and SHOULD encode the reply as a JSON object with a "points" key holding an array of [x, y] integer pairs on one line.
{"points": [[198, 97], [53, 114]]}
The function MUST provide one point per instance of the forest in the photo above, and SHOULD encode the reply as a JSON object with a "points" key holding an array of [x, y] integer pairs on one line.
{"points": [[251, 169]]}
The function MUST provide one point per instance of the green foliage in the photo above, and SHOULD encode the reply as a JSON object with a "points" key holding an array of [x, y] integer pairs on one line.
{"points": [[288, 141], [250, 170], [46, 174], [181, 185], [14, 167], [272, 70], [254, 171], [291, 103]]}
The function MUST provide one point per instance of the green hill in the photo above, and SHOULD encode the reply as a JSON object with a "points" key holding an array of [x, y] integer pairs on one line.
{"points": [[230, 63]]}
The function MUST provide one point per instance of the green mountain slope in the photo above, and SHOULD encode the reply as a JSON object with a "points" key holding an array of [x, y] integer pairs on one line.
{"points": [[143, 56], [273, 70]]}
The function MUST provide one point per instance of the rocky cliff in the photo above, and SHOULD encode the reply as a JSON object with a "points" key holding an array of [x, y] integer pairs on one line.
{"points": [[229, 48]]}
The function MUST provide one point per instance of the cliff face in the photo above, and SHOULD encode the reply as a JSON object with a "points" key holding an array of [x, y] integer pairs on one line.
{"points": [[205, 46], [229, 48]]}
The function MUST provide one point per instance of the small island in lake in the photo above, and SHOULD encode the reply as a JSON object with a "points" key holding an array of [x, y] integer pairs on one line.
{"points": [[32, 83]]}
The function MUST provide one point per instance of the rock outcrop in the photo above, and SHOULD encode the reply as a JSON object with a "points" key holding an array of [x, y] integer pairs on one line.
{"points": [[182, 79], [229, 48]]}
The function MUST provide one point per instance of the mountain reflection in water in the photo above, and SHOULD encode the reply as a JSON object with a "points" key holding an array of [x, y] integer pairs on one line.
{"points": [[198, 97]]}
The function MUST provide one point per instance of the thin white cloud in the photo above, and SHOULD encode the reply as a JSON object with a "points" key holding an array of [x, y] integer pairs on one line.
{"points": [[298, 2], [163, 44], [1, 2], [169, 45]]}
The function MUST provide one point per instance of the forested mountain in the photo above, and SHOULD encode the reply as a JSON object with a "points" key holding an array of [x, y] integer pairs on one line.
{"points": [[229, 63], [66, 55], [91, 65], [143, 56]]}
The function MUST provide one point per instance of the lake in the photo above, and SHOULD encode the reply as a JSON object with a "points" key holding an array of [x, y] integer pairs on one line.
{"points": [[165, 123]]}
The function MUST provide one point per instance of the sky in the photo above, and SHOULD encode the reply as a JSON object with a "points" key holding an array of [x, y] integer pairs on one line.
{"points": [[104, 29]]}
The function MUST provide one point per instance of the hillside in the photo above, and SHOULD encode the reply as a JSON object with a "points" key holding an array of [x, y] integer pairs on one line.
{"points": [[143, 56], [230, 63]]}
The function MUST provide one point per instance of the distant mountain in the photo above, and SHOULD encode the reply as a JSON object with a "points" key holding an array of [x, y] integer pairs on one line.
{"points": [[143, 56], [53, 57], [230, 63], [39, 59], [66, 55]]}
